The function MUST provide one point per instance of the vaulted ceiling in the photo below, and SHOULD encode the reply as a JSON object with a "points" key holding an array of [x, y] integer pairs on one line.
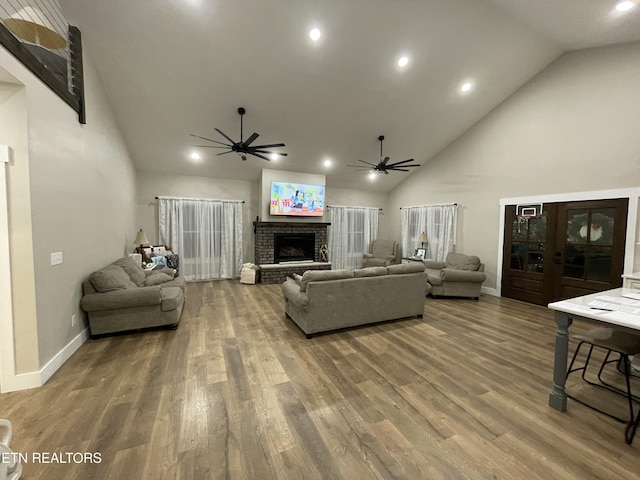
{"points": [[175, 67]]}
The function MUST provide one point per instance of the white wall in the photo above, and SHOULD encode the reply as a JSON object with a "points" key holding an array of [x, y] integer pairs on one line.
{"points": [[80, 185], [572, 128]]}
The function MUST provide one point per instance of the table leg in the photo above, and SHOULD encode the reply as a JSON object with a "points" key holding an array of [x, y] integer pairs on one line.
{"points": [[558, 396]]}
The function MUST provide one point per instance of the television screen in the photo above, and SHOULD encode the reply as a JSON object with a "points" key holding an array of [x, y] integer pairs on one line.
{"points": [[296, 199]]}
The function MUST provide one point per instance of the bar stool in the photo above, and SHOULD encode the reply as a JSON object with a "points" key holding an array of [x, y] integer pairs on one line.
{"points": [[625, 345]]}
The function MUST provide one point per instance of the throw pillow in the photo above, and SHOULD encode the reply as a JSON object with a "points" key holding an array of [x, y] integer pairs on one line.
{"points": [[110, 278], [157, 278]]}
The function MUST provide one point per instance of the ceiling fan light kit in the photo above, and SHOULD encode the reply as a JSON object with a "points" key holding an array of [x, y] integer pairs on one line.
{"points": [[242, 147], [384, 166]]}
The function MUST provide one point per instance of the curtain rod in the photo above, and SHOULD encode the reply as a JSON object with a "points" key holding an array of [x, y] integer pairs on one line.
{"points": [[201, 199], [434, 205], [348, 206]]}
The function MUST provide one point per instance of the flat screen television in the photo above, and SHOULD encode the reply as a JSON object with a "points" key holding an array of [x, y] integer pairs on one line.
{"points": [[296, 199]]}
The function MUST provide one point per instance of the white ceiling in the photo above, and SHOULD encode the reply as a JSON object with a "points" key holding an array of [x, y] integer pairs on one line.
{"points": [[185, 66]]}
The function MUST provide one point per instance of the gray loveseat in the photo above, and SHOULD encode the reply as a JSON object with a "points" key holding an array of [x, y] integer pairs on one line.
{"points": [[122, 296], [458, 276], [326, 300]]}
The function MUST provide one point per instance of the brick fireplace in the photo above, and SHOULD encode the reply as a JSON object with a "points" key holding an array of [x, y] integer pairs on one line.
{"points": [[295, 236]]}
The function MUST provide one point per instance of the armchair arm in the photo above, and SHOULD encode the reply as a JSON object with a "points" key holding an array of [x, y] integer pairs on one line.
{"points": [[433, 265], [452, 275], [130, 297], [292, 293], [367, 255]]}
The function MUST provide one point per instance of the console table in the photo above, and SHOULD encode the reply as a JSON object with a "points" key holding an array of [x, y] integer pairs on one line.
{"points": [[578, 309]]}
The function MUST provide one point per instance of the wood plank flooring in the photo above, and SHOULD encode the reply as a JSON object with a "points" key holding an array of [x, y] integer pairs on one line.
{"points": [[237, 391]]}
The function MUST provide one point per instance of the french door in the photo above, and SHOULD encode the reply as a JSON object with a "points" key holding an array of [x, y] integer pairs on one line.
{"points": [[572, 249]]}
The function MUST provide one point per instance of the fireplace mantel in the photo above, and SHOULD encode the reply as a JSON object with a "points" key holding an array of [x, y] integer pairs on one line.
{"points": [[255, 224]]}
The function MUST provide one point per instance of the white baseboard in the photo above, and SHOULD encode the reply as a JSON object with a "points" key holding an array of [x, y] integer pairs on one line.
{"points": [[63, 355], [24, 381], [490, 291]]}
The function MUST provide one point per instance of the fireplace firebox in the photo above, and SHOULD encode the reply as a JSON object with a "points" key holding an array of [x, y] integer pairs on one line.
{"points": [[294, 247]]}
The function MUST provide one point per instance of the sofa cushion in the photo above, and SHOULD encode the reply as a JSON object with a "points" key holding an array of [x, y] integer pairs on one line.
{"points": [[370, 272], [136, 274], [459, 261], [157, 278], [110, 278], [413, 267], [322, 276], [172, 298]]}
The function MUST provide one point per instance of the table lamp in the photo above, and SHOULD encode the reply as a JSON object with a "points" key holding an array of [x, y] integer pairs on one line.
{"points": [[141, 239], [423, 239]]}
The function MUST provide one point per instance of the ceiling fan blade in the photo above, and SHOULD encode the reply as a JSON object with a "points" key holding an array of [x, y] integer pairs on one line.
{"points": [[211, 146], [207, 139], [258, 155], [384, 162], [224, 135], [403, 161], [403, 166], [273, 145], [250, 140], [399, 169], [223, 153], [252, 150], [372, 164]]}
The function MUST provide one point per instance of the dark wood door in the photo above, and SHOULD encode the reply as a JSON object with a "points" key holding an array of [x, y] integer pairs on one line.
{"points": [[590, 247], [572, 249]]}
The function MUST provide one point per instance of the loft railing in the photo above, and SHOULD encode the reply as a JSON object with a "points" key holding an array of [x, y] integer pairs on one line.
{"points": [[37, 33]]}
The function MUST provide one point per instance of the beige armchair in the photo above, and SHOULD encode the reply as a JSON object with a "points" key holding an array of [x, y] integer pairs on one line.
{"points": [[382, 253], [458, 276]]}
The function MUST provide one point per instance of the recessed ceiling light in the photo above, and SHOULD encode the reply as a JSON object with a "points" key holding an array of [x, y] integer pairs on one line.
{"points": [[315, 34], [274, 156], [195, 156], [372, 175], [403, 61], [466, 87], [625, 6], [327, 163]]}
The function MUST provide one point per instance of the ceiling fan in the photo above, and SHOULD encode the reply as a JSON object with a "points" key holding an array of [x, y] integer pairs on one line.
{"points": [[384, 166], [243, 148]]}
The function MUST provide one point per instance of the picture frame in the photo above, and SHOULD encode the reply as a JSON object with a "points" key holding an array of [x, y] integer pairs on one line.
{"points": [[420, 253]]}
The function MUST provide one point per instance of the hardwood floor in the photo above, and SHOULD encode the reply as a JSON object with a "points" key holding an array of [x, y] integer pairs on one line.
{"points": [[237, 391]]}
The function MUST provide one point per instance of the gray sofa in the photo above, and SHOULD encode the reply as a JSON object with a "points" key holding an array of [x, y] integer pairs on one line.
{"points": [[458, 276], [326, 300], [122, 296]]}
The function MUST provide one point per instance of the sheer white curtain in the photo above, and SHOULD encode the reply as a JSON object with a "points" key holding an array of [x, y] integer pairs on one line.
{"points": [[207, 234], [437, 221], [351, 231]]}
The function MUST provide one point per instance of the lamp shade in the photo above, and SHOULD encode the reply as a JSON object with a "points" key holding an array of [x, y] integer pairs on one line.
{"points": [[423, 238], [141, 239]]}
